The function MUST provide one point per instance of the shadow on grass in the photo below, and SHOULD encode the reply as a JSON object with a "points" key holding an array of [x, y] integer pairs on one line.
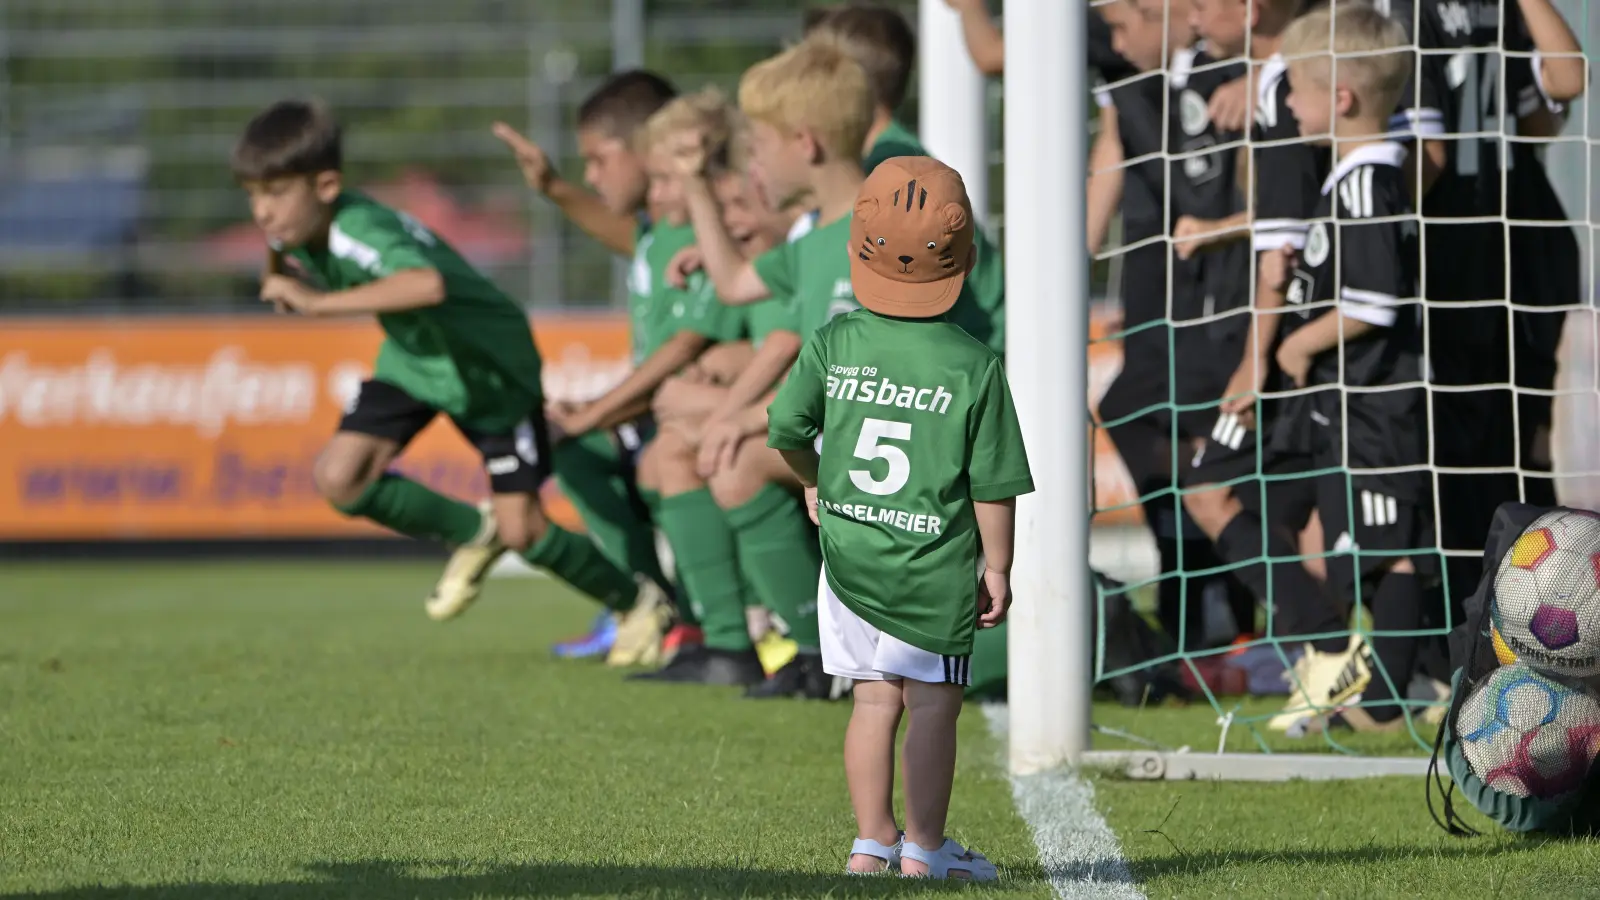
{"points": [[1203, 861], [385, 879]]}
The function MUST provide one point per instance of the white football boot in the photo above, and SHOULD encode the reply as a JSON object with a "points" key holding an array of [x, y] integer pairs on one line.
{"points": [[463, 575]]}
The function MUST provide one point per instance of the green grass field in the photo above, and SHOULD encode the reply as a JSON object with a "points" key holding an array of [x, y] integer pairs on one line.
{"points": [[291, 731]]}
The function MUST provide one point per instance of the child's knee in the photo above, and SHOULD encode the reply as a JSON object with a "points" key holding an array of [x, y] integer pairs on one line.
{"points": [[1211, 509], [342, 476], [520, 522], [647, 471], [878, 697], [933, 701], [733, 486]]}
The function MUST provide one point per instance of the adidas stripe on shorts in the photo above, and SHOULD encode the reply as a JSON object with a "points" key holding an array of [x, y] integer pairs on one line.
{"points": [[851, 648]]}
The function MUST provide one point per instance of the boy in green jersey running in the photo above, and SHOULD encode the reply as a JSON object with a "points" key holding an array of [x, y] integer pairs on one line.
{"points": [[596, 465], [454, 344], [915, 486]]}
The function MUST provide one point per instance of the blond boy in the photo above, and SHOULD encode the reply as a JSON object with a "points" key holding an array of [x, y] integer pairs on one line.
{"points": [[1356, 332]]}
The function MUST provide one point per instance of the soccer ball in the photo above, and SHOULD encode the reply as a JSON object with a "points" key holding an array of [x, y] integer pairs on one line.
{"points": [[1529, 735], [1547, 596]]}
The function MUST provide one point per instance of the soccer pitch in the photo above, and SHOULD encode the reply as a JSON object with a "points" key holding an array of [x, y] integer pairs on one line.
{"points": [[291, 731]]}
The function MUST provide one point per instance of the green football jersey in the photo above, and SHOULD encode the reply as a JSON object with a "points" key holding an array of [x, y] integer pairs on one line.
{"points": [[814, 271], [981, 308], [657, 310], [919, 424], [471, 356], [896, 140]]}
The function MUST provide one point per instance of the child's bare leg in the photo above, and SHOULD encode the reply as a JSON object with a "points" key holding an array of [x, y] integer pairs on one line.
{"points": [[869, 766], [929, 764], [723, 362]]}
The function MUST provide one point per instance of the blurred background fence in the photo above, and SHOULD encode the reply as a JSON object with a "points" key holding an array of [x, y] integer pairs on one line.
{"points": [[116, 118]]}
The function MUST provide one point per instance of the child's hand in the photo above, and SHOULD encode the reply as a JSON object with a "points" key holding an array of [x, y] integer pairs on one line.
{"points": [[531, 159], [289, 293], [1191, 235], [811, 505], [688, 152], [1239, 397], [1294, 361], [994, 598], [1276, 266], [719, 444], [1230, 105], [562, 416], [683, 264]]}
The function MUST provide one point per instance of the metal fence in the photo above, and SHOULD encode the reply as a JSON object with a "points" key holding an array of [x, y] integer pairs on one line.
{"points": [[116, 118]]}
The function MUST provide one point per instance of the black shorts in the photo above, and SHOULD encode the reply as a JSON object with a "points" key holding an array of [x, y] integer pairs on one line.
{"points": [[631, 438], [1272, 482], [1367, 527], [1141, 387], [516, 460]]}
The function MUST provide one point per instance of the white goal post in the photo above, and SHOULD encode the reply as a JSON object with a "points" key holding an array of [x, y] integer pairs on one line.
{"points": [[1050, 662]]}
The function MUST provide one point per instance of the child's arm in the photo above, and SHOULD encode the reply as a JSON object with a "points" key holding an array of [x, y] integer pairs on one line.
{"points": [[628, 399], [736, 279], [794, 419], [997, 524], [997, 473], [985, 43], [726, 427], [1273, 268], [1105, 178], [404, 290], [1192, 235], [586, 210], [1319, 336], [777, 354], [1559, 65]]}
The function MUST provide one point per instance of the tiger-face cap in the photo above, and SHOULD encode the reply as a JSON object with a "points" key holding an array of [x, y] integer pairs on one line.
{"points": [[911, 238]]}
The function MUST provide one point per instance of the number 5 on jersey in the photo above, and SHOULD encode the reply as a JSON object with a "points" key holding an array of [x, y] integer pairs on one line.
{"points": [[870, 446]]}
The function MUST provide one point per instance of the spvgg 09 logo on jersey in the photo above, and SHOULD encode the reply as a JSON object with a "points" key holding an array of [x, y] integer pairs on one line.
{"points": [[1194, 117]]}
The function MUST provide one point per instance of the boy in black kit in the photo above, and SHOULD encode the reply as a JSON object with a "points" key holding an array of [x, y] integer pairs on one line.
{"points": [[1145, 38], [1358, 333], [1254, 518]]}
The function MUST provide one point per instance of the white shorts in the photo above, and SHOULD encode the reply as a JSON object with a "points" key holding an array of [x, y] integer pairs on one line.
{"points": [[852, 648]]}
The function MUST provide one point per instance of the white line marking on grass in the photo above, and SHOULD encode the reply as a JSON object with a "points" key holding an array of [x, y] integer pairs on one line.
{"points": [[1078, 850]]}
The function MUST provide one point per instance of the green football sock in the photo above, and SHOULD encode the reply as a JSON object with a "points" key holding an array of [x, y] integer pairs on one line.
{"points": [[778, 552], [708, 566], [592, 476], [652, 500], [575, 559], [400, 504]]}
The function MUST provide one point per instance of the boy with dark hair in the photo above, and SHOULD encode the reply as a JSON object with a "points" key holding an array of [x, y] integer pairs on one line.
{"points": [[595, 467], [454, 344], [899, 601]]}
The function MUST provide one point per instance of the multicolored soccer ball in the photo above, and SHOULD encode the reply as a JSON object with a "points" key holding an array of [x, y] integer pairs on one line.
{"points": [[1547, 596], [1529, 735]]}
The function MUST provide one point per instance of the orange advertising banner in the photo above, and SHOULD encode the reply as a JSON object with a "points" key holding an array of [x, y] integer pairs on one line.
{"points": [[197, 427]]}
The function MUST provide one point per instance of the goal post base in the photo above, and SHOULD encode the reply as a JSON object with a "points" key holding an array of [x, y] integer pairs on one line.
{"points": [[1149, 765]]}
